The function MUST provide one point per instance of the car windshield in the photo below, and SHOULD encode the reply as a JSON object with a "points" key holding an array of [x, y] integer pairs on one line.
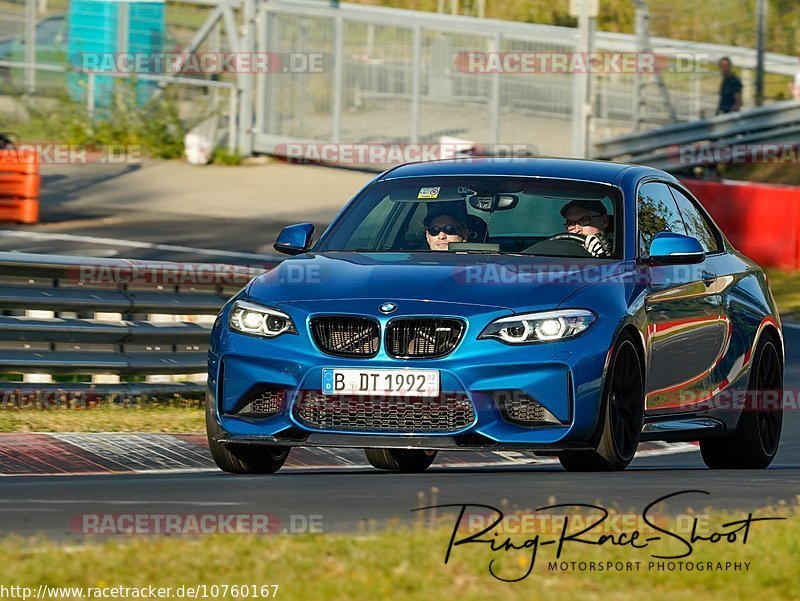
{"points": [[499, 215]]}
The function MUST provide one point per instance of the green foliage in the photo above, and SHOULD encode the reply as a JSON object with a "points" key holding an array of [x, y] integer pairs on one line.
{"points": [[785, 287], [222, 156], [154, 125]]}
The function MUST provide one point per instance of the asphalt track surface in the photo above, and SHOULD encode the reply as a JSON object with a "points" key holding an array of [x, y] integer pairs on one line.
{"points": [[355, 499]]}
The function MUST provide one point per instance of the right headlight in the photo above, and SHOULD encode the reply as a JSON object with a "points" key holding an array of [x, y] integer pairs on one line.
{"points": [[250, 318], [543, 326]]}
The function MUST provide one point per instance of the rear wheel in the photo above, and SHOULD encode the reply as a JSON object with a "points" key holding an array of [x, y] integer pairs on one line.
{"points": [[622, 415], [400, 460], [754, 443], [242, 458]]}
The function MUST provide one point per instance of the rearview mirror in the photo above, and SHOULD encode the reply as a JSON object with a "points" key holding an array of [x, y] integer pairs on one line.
{"points": [[669, 248], [494, 202], [294, 239]]}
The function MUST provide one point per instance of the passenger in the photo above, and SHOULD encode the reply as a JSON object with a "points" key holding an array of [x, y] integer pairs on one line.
{"points": [[589, 218]]}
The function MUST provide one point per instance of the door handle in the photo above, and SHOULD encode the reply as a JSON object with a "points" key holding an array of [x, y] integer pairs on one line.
{"points": [[708, 277]]}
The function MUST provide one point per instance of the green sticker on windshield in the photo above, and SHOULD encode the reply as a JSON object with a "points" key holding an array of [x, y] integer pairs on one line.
{"points": [[427, 193]]}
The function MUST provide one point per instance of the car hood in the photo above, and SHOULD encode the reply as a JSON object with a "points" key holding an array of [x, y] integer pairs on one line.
{"points": [[500, 281]]}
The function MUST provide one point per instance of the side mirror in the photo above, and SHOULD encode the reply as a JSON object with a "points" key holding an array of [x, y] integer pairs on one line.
{"points": [[669, 248], [294, 239]]}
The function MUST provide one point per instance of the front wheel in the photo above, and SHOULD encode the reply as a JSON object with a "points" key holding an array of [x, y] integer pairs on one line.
{"points": [[754, 443], [400, 460], [242, 458], [622, 415]]}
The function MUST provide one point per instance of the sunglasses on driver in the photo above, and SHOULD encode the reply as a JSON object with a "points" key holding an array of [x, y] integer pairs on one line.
{"points": [[450, 230]]}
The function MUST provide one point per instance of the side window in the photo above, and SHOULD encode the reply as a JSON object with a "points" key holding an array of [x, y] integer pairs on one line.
{"points": [[657, 212], [696, 224]]}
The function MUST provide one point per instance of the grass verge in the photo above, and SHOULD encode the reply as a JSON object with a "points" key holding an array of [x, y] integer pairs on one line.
{"points": [[406, 562], [105, 418], [785, 287]]}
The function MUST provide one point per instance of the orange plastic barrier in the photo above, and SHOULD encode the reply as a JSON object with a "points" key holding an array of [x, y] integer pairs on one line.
{"points": [[760, 220], [19, 185]]}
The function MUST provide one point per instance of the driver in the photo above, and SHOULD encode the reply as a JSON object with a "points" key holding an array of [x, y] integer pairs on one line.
{"points": [[589, 218], [442, 228]]}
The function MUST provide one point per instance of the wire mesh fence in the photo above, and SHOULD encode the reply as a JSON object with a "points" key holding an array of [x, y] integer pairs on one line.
{"points": [[404, 76], [401, 79], [44, 45]]}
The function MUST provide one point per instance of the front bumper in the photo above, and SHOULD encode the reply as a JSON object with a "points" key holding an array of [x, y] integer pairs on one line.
{"points": [[428, 443], [564, 377]]}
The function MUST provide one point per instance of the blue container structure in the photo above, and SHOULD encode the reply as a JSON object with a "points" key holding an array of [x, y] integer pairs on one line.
{"points": [[94, 38]]}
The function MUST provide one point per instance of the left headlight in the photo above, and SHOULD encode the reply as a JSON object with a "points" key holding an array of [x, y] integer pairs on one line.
{"points": [[539, 327], [256, 320]]}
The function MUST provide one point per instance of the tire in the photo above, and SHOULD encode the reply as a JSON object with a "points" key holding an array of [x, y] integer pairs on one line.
{"points": [[242, 458], [622, 415], [400, 460], [754, 443]]}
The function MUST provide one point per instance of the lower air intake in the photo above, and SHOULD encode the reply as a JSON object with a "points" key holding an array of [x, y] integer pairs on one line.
{"points": [[262, 403], [520, 408], [447, 413]]}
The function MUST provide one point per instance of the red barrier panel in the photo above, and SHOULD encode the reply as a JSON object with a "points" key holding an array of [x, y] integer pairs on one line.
{"points": [[760, 220], [19, 186]]}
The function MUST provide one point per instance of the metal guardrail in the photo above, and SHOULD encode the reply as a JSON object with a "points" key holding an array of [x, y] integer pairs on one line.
{"points": [[776, 123], [109, 319]]}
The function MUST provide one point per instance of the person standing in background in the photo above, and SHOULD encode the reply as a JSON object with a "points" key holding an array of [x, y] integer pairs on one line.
{"points": [[730, 89]]}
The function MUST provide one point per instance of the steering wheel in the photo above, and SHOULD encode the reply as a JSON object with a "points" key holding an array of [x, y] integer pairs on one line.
{"points": [[566, 236], [564, 244]]}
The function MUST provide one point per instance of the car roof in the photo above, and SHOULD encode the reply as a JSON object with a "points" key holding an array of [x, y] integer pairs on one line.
{"points": [[577, 169]]}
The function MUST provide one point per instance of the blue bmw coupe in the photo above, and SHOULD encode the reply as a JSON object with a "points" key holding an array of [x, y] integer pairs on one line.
{"points": [[563, 307]]}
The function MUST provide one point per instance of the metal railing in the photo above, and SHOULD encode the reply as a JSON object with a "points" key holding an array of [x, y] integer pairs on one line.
{"points": [[131, 327], [662, 148], [395, 79]]}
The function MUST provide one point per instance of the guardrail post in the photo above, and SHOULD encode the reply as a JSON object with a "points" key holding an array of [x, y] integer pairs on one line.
{"points": [[90, 92], [580, 107], [246, 80], [38, 378], [161, 318], [495, 45], [338, 74], [106, 378], [30, 46], [416, 84], [232, 120]]}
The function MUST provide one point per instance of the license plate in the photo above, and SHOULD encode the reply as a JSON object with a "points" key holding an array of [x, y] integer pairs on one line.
{"points": [[395, 382]]}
